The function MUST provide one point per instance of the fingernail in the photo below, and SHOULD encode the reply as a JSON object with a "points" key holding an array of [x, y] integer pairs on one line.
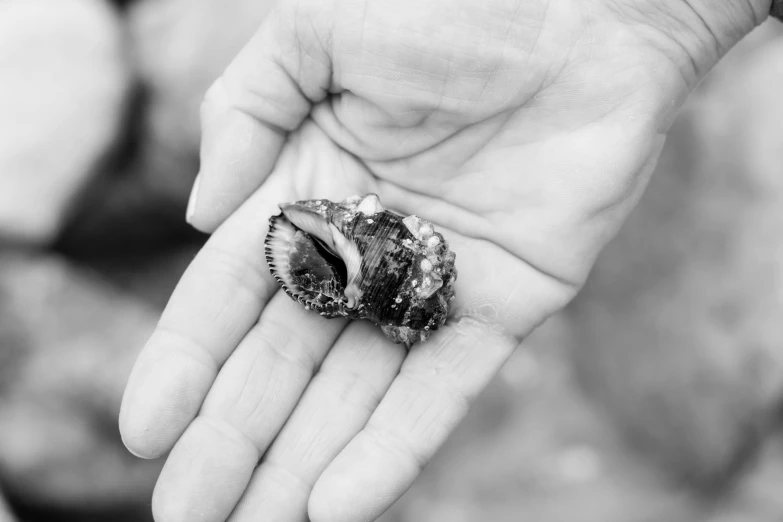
{"points": [[192, 201]]}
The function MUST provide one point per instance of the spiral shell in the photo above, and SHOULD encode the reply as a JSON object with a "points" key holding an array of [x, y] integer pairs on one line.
{"points": [[354, 259]]}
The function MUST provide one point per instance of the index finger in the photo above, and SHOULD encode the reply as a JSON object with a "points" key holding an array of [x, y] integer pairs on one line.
{"points": [[218, 299]]}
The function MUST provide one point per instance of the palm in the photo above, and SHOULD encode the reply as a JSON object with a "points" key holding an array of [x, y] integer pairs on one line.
{"points": [[527, 163]]}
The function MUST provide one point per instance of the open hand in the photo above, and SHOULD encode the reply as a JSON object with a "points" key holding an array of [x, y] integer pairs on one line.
{"points": [[524, 130]]}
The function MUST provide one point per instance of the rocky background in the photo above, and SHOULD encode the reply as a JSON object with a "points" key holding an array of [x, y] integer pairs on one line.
{"points": [[655, 397]]}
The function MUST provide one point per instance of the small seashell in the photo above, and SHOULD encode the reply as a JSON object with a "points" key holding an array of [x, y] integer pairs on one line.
{"points": [[396, 272]]}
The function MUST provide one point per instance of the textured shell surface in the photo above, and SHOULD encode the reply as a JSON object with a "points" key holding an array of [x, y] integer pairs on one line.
{"points": [[355, 259]]}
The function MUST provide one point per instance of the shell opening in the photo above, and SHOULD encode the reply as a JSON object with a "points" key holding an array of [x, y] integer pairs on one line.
{"points": [[332, 241], [310, 221], [307, 270]]}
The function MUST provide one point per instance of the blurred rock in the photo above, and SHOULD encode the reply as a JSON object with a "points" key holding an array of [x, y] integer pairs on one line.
{"points": [[180, 48], [63, 82], [678, 330], [533, 447], [757, 497], [73, 339], [536, 449]]}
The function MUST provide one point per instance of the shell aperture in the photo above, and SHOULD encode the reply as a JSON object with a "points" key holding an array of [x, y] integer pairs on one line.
{"points": [[354, 259]]}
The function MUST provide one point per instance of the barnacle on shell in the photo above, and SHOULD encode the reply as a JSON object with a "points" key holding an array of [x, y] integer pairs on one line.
{"points": [[354, 259]]}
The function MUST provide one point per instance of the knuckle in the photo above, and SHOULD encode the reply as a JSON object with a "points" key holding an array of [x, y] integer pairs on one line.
{"points": [[351, 389], [296, 354]]}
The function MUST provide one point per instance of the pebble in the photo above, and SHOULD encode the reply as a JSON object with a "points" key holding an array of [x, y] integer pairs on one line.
{"points": [[63, 83], [72, 338]]}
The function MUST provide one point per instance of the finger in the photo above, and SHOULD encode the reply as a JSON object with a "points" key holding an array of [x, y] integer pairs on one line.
{"points": [[266, 92], [437, 383], [216, 302], [253, 395], [335, 407]]}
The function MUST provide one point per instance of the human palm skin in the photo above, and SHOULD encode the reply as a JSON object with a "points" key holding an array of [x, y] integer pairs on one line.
{"points": [[525, 130]]}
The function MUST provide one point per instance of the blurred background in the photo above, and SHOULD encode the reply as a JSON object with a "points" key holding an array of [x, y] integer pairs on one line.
{"points": [[655, 397]]}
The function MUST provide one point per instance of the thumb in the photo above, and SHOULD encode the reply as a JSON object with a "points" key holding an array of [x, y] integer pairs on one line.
{"points": [[266, 92]]}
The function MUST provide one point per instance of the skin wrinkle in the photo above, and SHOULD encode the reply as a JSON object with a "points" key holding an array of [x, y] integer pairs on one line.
{"points": [[312, 453], [227, 429], [502, 117], [494, 62], [205, 358], [303, 368], [309, 459], [346, 138], [706, 45], [249, 390], [250, 100], [293, 351], [260, 356], [349, 385], [523, 326], [319, 84], [262, 409], [430, 425], [719, 49], [737, 24], [539, 32], [304, 485], [693, 72], [627, 198], [324, 42], [445, 387], [479, 222], [389, 441], [217, 97], [443, 90]]}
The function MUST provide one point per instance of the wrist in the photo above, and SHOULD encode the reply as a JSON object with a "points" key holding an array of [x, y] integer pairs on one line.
{"points": [[693, 34]]}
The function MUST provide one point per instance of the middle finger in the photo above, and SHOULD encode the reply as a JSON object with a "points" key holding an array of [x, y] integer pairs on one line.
{"points": [[335, 407]]}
